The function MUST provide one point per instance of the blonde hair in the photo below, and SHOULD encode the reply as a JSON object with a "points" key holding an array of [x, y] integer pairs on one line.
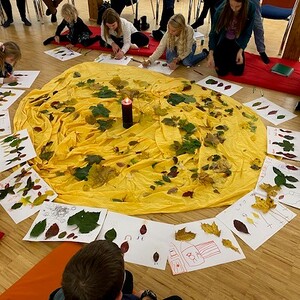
{"points": [[110, 16], [69, 10], [9, 49], [178, 22]]}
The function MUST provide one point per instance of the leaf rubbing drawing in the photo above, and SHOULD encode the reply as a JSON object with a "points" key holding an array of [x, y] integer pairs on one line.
{"points": [[182, 235], [38, 228], [110, 234], [124, 247], [228, 244], [211, 229], [240, 226], [53, 230]]}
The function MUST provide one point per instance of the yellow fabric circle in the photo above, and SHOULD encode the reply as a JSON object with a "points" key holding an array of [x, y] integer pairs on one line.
{"points": [[155, 166]]}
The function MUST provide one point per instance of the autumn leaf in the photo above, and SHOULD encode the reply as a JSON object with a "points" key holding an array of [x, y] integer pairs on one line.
{"points": [[100, 110], [52, 231], [240, 226], [143, 229], [211, 81], [155, 257], [62, 234], [228, 244], [264, 205], [182, 235], [124, 247], [38, 228], [110, 234], [86, 221], [211, 229]]}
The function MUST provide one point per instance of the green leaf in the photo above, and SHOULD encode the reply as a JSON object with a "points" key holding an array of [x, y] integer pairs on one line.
{"points": [[68, 109], [291, 179], [175, 99], [17, 205], [76, 74], [110, 235], [100, 110], [290, 186], [278, 172], [280, 180], [105, 124], [82, 173], [105, 92], [166, 178], [86, 221], [38, 228], [211, 81]]}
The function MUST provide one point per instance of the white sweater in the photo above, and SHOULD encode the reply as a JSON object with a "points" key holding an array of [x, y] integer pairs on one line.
{"points": [[127, 29]]}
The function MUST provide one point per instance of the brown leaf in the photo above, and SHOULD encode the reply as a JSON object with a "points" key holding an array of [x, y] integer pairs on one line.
{"points": [[240, 226], [155, 257], [53, 230], [188, 194]]}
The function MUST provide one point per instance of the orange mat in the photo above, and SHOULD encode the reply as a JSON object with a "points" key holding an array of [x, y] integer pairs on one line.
{"points": [[43, 278]]}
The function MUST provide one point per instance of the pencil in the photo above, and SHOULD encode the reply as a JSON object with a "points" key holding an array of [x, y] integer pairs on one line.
{"points": [[138, 61], [198, 72]]}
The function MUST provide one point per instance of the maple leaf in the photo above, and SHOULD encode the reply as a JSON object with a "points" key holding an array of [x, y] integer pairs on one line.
{"points": [[183, 235], [85, 221], [100, 110], [175, 99], [264, 205], [271, 190], [211, 229], [228, 244]]}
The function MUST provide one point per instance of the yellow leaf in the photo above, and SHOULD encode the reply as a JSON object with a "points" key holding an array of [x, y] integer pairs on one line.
{"points": [[250, 220], [271, 190], [255, 215], [182, 235], [39, 200], [99, 175], [264, 205], [212, 229], [228, 244]]}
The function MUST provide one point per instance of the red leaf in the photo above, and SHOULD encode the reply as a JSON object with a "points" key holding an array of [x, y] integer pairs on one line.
{"points": [[188, 194], [143, 229], [272, 112], [227, 87], [52, 231], [292, 168], [124, 247], [70, 235], [1, 234]]}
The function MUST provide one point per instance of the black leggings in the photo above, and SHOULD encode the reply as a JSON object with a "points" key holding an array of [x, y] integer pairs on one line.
{"points": [[8, 10], [64, 38], [138, 38], [225, 58]]}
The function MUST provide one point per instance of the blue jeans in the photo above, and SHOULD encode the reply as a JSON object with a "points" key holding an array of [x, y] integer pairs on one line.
{"points": [[190, 60]]}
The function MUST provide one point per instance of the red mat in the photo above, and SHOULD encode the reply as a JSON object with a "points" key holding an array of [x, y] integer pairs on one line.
{"points": [[259, 74], [139, 52]]}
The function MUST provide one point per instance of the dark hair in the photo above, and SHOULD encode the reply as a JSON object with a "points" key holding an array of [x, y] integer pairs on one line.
{"points": [[110, 16], [96, 272], [227, 15]]}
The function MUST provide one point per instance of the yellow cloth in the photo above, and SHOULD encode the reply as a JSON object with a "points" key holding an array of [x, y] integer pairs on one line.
{"points": [[134, 176]]}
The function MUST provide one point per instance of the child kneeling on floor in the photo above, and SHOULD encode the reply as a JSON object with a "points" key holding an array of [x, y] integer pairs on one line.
{"points": [[96, 272], [79, 33], [120, 34]]}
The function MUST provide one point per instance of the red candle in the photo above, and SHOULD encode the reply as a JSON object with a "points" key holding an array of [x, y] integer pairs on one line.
{"points": [[127, 113]]}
